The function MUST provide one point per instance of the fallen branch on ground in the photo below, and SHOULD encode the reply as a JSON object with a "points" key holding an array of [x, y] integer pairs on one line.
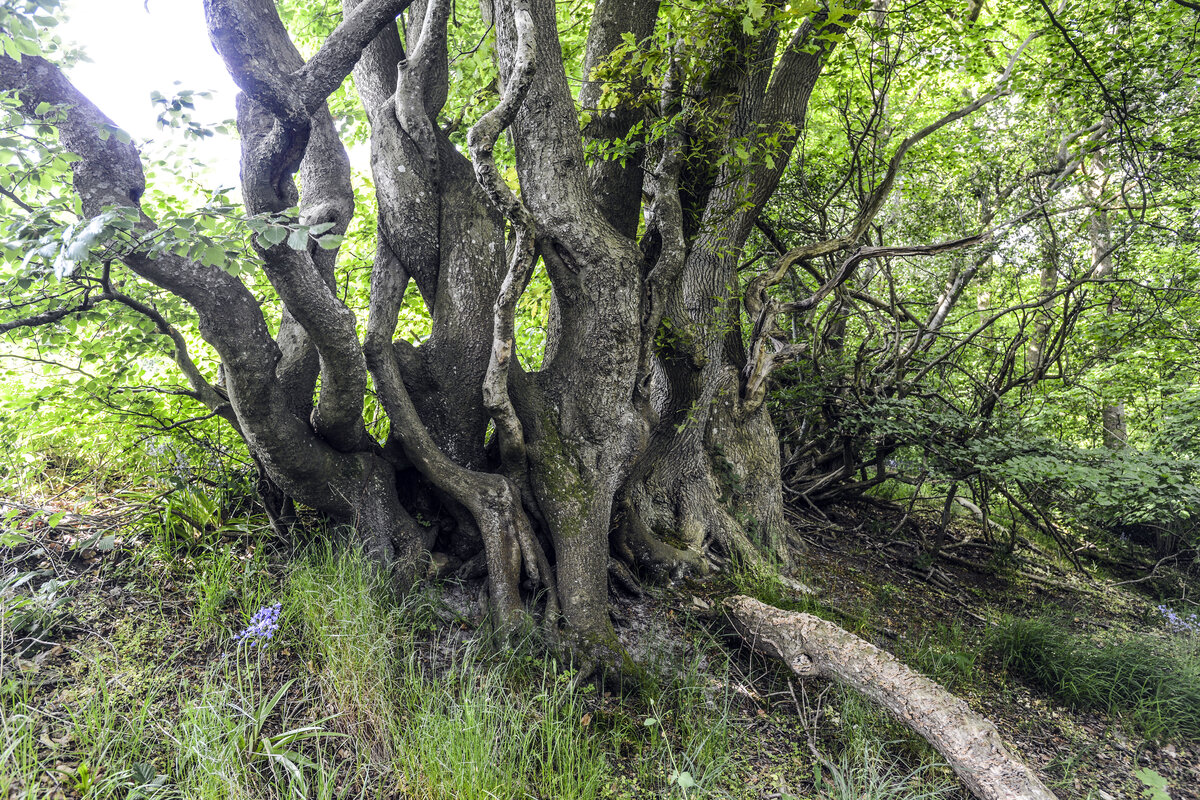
{"points": [[811, 646]]}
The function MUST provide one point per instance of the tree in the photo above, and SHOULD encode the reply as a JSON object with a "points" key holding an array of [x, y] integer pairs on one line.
{"points": [[644, 441]]}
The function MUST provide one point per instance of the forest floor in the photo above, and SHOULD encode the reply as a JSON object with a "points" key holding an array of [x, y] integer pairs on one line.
{"points": [[120, 676]]}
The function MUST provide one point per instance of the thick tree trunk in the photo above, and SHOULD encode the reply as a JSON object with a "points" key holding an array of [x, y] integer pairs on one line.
{"points": [[569, 436], [709, 479], [712, 474], [811, 646], [577, 414]]}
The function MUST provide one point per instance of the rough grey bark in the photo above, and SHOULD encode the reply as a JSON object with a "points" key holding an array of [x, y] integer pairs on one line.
{"points": [[616, 186], [810, 646], [641, 404], [577, 412], [711, 473], [357, 488]]}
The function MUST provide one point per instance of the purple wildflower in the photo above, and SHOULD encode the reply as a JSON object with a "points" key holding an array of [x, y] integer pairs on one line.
{"points": [[1178, 622], [262, 625]]}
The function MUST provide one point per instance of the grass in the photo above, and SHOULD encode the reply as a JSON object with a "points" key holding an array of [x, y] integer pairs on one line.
{"points": [[947, 654], [1152, 682], [362, 694], [20, 761], [868, 774], [762, 581]]}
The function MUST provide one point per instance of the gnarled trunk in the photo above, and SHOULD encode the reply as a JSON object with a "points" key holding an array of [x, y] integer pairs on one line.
{"points": [[641, 403]]}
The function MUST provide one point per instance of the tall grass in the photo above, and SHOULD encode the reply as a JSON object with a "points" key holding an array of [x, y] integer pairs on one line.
{"points": [[20, 762], [946, 653], [866, 773], [488, 726], [1153, 683], [362, 694]]}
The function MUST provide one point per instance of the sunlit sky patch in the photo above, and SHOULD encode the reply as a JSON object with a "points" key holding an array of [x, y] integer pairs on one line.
{"points": [[140, 46]]}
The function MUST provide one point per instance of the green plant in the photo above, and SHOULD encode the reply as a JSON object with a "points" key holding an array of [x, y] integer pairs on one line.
{"points": [[212, 585], [1154, 683], [29, 612], [865, 773], [486, 723], [20, 764], [945, 655], [888, 593], [112, 723], [281, 750], [234, 735], [1155, 784], [677, 777], [84, 780], [693, 732]]}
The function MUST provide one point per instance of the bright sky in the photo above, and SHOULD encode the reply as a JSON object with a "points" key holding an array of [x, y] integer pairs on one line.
{"points": [[138, 46]]}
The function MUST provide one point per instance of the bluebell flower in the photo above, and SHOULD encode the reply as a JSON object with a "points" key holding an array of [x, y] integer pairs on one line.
{"points": [[1179, 623], [262, 626]]}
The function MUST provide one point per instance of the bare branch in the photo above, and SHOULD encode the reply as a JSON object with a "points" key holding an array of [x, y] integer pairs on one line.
{"points": [[768, 352], [202, 390], [420, 92], [326, 71], [880, 195], [482, 141], [54, 315]]}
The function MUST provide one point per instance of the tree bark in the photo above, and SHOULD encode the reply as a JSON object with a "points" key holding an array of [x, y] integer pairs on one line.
{"points": [[810, 646], [712, 473], [540, 502]]}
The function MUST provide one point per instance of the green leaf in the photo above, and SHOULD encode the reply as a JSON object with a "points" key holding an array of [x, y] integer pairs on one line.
{"points": [[275, 235], [214, 255], [330, 241], [11, 539], [299, 238], [28, 47], [685, 780], [1156, 784]]}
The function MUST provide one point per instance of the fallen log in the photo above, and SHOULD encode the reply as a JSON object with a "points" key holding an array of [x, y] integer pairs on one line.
{"points": [[970, 744]]}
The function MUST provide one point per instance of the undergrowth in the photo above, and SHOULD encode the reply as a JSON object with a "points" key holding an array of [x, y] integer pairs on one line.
{"points": [[363, 693], [1153, 682]]}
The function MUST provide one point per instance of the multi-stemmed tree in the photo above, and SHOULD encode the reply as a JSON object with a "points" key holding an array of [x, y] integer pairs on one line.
{"points": [[636, 426], [643, 440]]}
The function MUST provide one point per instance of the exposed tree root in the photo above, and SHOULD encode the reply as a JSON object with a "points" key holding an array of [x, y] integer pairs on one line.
{"points": [[970, 743]]}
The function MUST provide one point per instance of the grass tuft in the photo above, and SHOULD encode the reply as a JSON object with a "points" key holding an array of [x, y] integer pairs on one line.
{"points": [[867, 774], [1153, 683]]}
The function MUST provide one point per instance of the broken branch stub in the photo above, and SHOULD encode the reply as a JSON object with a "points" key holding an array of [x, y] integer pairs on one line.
{"points": [[971, 744]]}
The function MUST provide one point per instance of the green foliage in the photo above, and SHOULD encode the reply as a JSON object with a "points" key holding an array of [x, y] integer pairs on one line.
{"points": [[23, 24], [947, 654], [1156, 785], [688, 728], [868, 774], [27, 612], [1152, 683], [463, 734], [1092, 488]]}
